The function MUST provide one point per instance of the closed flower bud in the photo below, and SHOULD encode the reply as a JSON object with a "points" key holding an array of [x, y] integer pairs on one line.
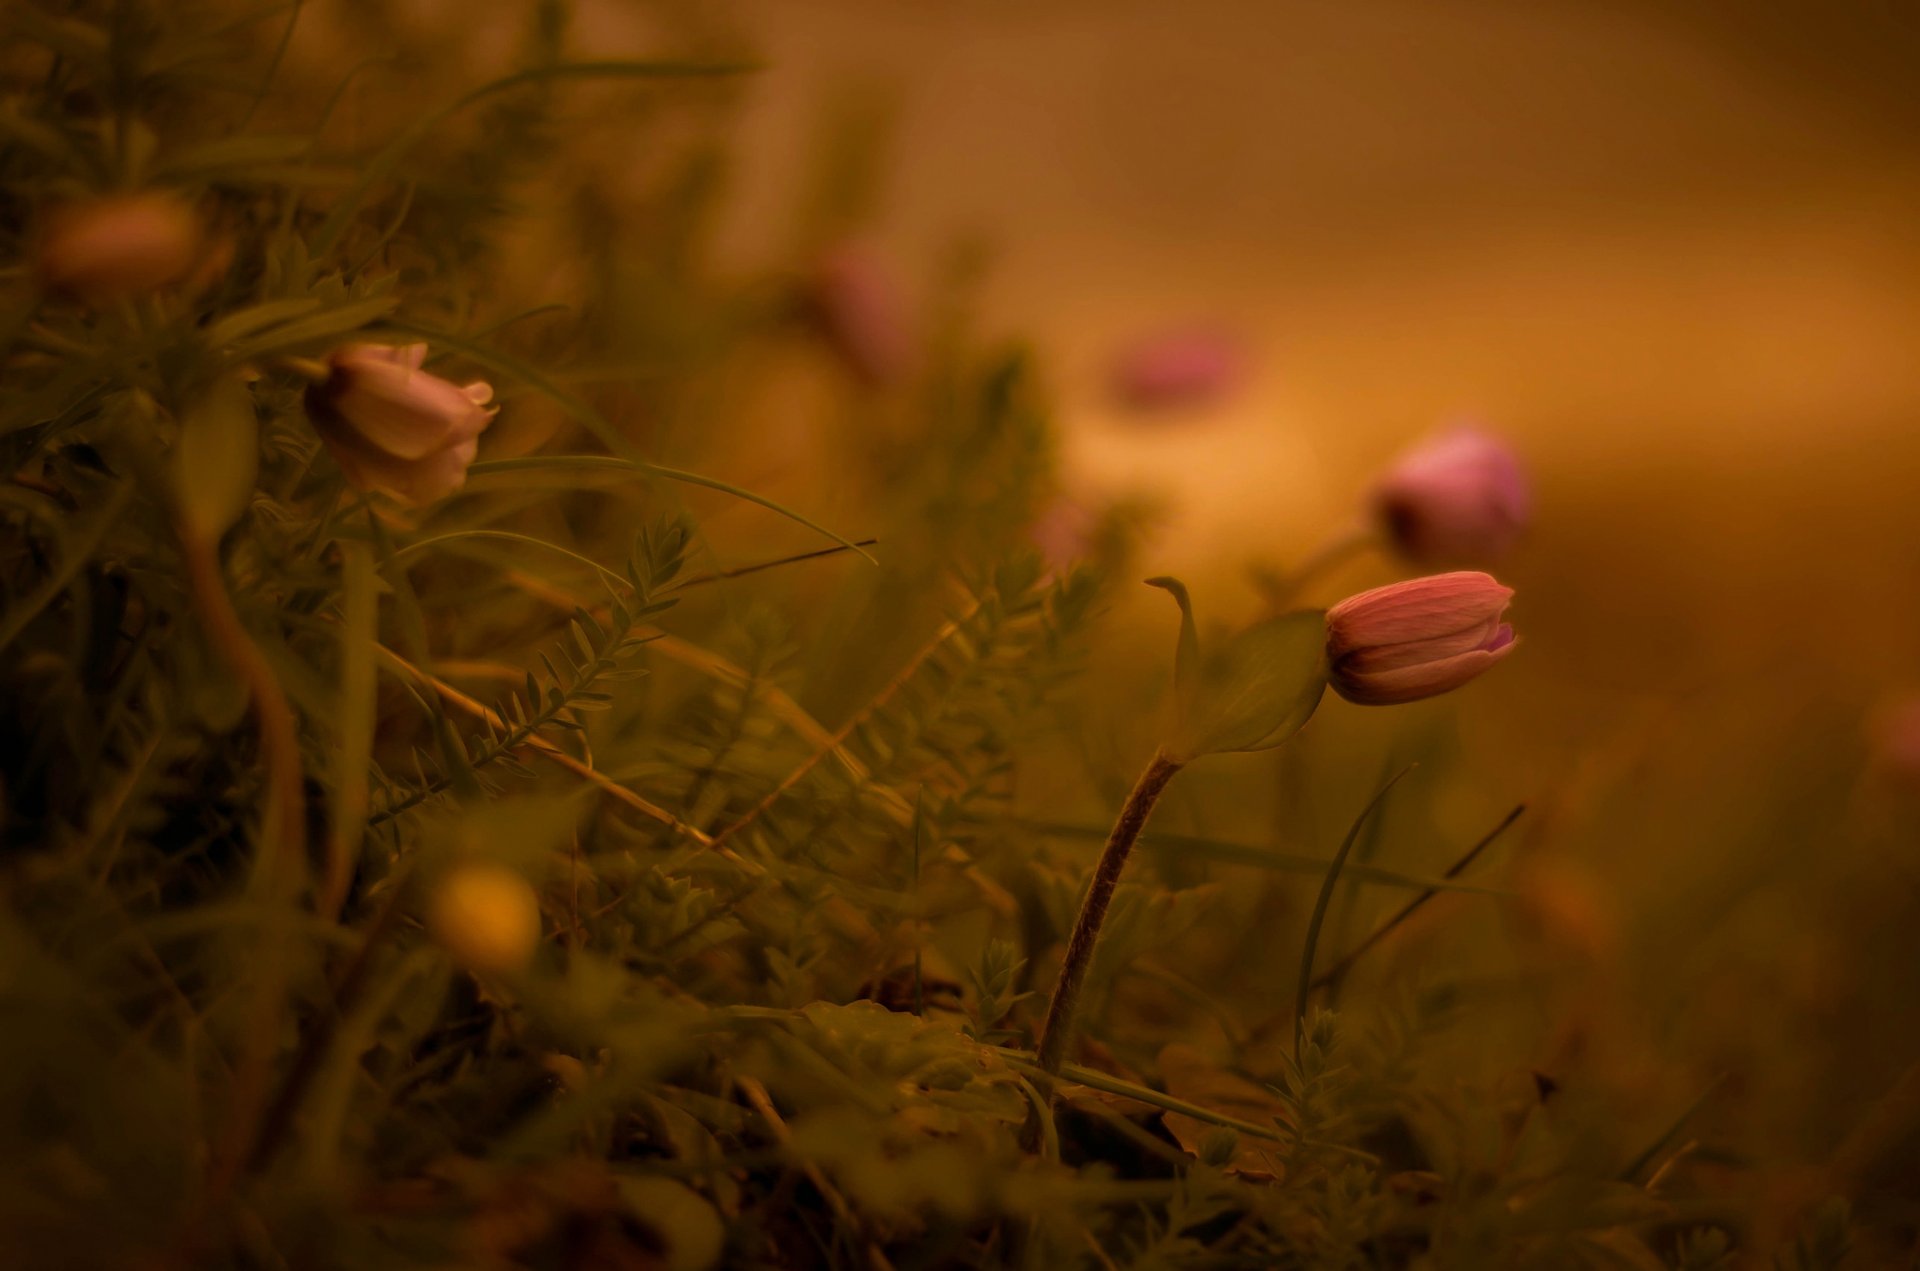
{"points": [[1415, 639], [393, 427], [486, 916], [1175, 369], [121, 245], [1458, 498], [861, 315]]}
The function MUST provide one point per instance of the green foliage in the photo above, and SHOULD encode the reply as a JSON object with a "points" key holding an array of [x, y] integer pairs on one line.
{"points": [[791, 818], [1254, 691]]}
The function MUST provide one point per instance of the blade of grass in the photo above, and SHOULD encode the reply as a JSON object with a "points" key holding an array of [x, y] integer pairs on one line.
{"points": [[1320, 907], [1093, 1079], [701, 580], [618, 580], [1653, 1149], [1263, 858], [1339, 969]]}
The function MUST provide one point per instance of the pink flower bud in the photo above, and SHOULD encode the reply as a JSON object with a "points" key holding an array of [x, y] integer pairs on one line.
{"points": [[861, 314], [1415, 639], [121, 245], [1175, 369], [1459, 497], [393, 427]]}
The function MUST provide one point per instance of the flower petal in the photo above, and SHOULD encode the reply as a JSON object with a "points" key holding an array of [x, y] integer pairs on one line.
{"points": [[1411, 683], [1389, 657], [1419, 609]]}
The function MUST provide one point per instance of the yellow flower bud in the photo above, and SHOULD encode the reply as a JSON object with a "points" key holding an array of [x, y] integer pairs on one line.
{"points": [[487, 916]]}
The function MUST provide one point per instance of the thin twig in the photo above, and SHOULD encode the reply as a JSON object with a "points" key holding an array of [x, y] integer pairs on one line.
{"points": [[701, 580]]}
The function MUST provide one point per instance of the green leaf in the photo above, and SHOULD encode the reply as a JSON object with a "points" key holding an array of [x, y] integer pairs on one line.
{"points": [[327, 327], [1186, 653], [258, 317], [216, 457], [1251, 693]]}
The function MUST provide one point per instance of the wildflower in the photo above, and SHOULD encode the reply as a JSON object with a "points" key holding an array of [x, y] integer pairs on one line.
{"points": [[122, 245], [861, 314], [1456, 498], [1416, 639], [393, 427], [1177, 368], [487, 916]]}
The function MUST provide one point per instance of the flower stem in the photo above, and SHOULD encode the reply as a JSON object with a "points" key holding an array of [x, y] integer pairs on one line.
{"points": [[282, 864], [280, 869], [1057, 1032], [283, 834], [1281, 588]]}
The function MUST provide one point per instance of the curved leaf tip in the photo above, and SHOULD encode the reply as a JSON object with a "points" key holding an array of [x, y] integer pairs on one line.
{"points": [[1186, 654]]}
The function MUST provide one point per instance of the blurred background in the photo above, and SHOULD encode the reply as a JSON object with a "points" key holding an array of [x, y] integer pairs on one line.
{"points": [[1669, 251]]}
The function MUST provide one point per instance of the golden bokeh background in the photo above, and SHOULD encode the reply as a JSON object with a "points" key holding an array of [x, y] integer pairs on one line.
{"points": [[1672, 256], [1669, 250]]}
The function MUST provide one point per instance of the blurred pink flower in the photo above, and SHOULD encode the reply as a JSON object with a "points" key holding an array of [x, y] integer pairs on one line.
{"points": [[393, 427], [1064, 533], [862, 315], [1457, 498], [1896, 739], [1180, 368], [1415, 639], [122, 245]]}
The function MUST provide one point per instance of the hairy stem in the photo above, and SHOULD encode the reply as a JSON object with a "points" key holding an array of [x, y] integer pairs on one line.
{"points": [[1057, 1032]]}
